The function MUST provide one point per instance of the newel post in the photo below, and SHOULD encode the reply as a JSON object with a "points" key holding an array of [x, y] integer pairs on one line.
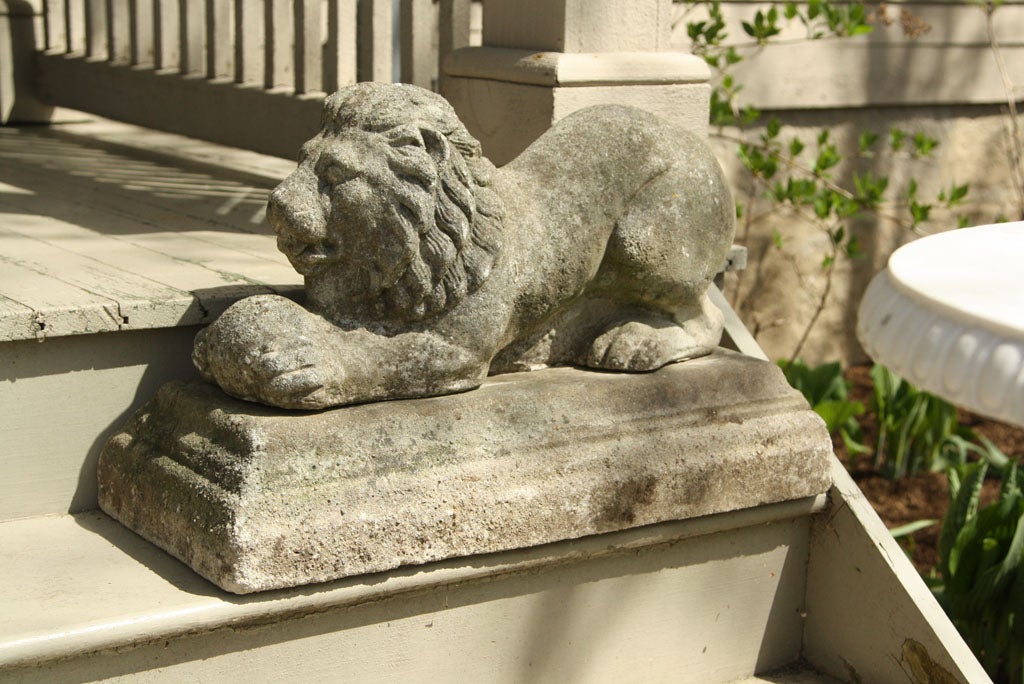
{"points": [[542, 59]]}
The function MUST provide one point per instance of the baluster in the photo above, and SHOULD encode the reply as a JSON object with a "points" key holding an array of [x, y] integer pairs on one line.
{"points": [[279, 46], [74, 15], [56, 26], [249, 41], [118, 32], [192, 36], [340, 51], [220, 49], [96, 30], [453, 29], [374, 40], [308, 46], [166, 35], [417, 24], [142, 28]]}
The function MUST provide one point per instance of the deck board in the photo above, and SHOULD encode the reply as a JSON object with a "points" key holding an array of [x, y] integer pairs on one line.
{"points": [[95, 237], [57, 307]]}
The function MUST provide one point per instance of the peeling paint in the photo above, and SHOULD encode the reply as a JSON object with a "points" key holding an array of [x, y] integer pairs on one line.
{"points": [[923, 669]]}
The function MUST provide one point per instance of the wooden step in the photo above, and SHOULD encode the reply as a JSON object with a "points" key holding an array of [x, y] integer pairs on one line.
{"points": [[95, 238], [116, 245], [777, 594], [711, 599]]}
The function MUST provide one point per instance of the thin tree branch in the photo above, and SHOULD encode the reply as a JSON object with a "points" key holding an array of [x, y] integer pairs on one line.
{"points": [[1016, 147]]}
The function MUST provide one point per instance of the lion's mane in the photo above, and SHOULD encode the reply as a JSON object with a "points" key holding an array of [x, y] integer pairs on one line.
{"points": [[449, 212]]}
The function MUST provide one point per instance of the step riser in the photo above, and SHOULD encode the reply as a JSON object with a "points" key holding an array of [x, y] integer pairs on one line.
{"points": [[61, 399]]}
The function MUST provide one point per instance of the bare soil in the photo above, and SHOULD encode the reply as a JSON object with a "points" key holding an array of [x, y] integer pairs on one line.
{"points": [[924, 496]]}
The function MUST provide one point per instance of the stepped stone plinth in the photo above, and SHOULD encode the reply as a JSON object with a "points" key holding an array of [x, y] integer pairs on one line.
{"points": [[255, 498]]}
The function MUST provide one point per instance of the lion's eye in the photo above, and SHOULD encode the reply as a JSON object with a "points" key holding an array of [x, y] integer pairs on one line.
{"points": [[331, 171]]}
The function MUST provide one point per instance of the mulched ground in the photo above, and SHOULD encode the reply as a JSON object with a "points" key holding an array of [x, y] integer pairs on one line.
{"points": [[923, 496]]}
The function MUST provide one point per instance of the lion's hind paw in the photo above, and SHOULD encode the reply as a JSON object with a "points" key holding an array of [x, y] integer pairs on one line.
{"points": [[638, 346]]}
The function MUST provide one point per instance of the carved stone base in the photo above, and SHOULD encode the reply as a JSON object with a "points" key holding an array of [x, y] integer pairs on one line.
{"points": [[255, 498]]}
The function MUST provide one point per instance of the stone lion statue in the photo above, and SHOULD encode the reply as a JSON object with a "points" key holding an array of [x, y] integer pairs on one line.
{"points": [[427, 268]]}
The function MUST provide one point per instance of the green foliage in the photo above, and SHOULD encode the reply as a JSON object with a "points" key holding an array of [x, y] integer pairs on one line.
{"points": [[799, 176], [819, 182], [981, 567], [916, 430], [764, 26], [827, 391]]}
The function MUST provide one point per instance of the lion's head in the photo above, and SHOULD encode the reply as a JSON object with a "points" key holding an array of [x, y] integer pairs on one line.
{"points": [[390, 214]]}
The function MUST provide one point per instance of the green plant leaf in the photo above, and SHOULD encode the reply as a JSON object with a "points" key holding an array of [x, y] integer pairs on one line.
{"points": [[999, 565], [911, 527], [962, 508], [865, 142], [837, 413], [852, 249], [924, 145], [851, 440], [957, 193], [920, 212], [897, 138], [818, 384], [796, 146]]}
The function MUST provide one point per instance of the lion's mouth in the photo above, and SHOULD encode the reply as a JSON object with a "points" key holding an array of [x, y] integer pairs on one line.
{"points": [[310, 258]]}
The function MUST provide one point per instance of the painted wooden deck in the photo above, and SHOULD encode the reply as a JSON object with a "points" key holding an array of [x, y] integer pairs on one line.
{"points": [[98, 234]]}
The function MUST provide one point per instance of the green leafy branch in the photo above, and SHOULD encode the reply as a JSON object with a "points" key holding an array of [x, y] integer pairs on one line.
{"points": [[785, 173]]}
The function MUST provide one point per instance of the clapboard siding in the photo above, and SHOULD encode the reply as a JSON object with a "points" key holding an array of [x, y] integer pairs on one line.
{"points": [[951, 63]]}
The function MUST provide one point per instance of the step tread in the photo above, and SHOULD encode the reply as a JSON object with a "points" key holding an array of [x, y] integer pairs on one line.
{"points": [[97, 237]]}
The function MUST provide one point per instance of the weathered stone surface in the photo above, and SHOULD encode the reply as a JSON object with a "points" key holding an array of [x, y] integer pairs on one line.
{"points": [[255, 498], [426, 268]]}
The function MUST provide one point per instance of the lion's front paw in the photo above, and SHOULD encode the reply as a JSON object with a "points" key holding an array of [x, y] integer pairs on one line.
{"points": [[296, 377], [271, 350]]}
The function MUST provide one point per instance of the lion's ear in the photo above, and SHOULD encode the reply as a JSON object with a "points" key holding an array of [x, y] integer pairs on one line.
{"points": [[437, 145]]}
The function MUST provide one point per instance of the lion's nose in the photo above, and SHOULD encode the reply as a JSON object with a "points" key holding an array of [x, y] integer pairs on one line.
{"points": [[294, 216], [275, 214]]}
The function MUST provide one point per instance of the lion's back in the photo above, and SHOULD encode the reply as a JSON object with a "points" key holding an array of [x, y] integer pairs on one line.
{"points": [[620, 140]]}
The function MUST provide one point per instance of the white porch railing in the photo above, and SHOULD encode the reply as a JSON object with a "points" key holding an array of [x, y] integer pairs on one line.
{"points": [[225, 70]]}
